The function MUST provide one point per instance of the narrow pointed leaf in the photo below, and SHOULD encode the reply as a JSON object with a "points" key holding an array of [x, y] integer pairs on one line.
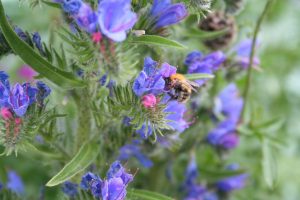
{"points": [[135, 194], [198, 76], [204, 35], [269, 164], [86, 155], [157, 41], [32, 58]]}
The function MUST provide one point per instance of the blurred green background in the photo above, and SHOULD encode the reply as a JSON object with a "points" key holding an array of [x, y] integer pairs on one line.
{"points": [[274, 92]]}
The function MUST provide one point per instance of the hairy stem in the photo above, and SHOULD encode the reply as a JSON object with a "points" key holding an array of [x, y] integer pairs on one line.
{"points": [[249, 72]]}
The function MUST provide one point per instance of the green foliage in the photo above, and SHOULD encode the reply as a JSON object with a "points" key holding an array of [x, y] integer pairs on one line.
{"points": [[135, 194], [61, 78], [157, 41], [86, 155]]}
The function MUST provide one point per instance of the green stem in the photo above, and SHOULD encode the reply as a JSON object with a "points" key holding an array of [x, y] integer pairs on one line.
{"points": [[84, 117], [249, 72]]}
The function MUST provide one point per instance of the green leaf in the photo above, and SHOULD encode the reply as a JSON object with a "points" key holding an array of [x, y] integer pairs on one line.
{"points": [[38, 63], [51, 4], [86, 155], [157, 41], [204, 35], [145, 195], [269, 164], [217, 174], [198, 76]]}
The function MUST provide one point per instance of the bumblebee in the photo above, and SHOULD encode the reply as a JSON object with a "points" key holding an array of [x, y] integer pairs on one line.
{"points": [[180, 88]]}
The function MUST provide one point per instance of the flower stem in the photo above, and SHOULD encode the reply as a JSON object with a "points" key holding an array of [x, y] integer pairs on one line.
{"points": [[249, 72]]}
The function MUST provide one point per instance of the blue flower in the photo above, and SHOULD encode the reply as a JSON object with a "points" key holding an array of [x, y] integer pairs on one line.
{"points": [[86, 18], [71, 6], [36, 39], [21, 34], [116, 170], [4, 89], [232, 183], [19, 100], [87, 180], [175, 114], [31, 92], [144, 132], [197, 63], [134, 150], [96, 187], [199, 192], [15, 183], [165, 13], [229, 103], [1, 186], [43, 90], [224, 135], [115, 24], [70, 189], [243, 51], [191, 173], [114, 189], [149, 80]]}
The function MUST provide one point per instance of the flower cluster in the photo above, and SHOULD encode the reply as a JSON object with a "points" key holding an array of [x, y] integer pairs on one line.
{"points": [[230, 105], [197, 191], [198, 63], [19, 97], [112, 24], [114, 187]]}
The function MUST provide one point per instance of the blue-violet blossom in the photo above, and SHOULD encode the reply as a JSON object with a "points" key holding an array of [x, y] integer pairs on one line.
{"points": [[70, 189], [15, 183]]}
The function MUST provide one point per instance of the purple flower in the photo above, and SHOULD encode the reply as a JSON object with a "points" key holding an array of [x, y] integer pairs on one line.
{"points": [[144, 132], [31, 92], [167, 70], [191, 173], [1, 186], [243, 51], [71, 6], [165, 13], [36, 39], [232, 183], [115, 24], [150, 80], [4, 89], [229, 103], [15, 183], [19, 100], [199, 192], [86, 18], [224, 135], [70, 189], [27, 73], [87, 180], [134, 150], [21, 34], [116, 170], [176, 112], [43, 91], [197, 63]]}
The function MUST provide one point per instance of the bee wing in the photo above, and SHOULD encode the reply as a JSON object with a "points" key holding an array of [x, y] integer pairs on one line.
{"points": [[193, 84]]}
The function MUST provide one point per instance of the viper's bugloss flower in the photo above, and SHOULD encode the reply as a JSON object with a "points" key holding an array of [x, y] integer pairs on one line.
{"points": [[224, 135], [243, 51], [176, 112], [43, 91], [229, 103], [113, 188], [232, 183], [14, 183], [70, 189], [87, 179], [31, 92], [149, 101], [4, 89], [1, 186], [134, 150], [6, 113], [164, 13], [86, 18], [21, 34], [37, 41], [71, 6], [199, 192], [150, 80], [191, 173], [27, 73], [144, 132], [197, 63], [18, 100], [115, 24]]}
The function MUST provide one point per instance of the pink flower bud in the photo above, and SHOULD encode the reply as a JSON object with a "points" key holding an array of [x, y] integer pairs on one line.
{"points": [[6, 114], [96, 37], [18, 121], [149, 101], [27, 73]]}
